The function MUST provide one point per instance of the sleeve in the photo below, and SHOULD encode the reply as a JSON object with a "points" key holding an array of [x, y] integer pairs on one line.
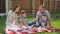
{"points": [[37, 15], [26, 20], [48, 15], [10, 16], [47, 22], [20, 20]]}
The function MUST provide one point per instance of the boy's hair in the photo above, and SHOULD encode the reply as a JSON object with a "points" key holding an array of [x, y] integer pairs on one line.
{"points": [[22, 12], [44, 16]]}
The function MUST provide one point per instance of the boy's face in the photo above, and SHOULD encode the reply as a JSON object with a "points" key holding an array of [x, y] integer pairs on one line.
{"points": [[44, 18], [23, 15]]}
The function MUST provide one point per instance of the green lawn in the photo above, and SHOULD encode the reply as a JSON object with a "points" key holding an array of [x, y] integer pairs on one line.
{"points": [[54, 22]]}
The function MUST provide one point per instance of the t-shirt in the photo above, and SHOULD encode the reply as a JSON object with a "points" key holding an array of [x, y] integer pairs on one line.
{"points": [[45, 22], [23, 20], [39, 15]]}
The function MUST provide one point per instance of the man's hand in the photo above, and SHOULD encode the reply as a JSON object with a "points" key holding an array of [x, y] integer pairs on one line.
{"points": [[37, 20]]}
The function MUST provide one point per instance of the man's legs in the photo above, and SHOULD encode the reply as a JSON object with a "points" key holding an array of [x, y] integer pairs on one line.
{"points": [[32, 23]]}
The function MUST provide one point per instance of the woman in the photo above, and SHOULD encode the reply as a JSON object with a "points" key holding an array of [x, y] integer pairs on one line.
{"points": [[12, 18]]}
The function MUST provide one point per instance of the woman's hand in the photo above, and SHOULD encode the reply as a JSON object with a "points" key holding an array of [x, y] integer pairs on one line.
{"points": [[18, 16]]}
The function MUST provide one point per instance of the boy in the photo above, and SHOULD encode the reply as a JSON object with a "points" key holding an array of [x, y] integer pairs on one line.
{"points": [[23, 19], [43, 24], [44, 21], [24, 23]]}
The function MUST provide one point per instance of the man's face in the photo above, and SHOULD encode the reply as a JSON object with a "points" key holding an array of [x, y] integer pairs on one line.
{"points": [[41, 9], [24, 15], [17, 9]]}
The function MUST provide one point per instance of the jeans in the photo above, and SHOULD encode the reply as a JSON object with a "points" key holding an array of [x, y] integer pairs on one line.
{"points": [[39, 23], [34, 24]]}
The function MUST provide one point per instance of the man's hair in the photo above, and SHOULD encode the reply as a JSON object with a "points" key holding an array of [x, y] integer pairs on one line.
{"points": [[42, 6]]}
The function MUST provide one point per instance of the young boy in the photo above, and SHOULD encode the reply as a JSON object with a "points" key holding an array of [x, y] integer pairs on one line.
{"points": [[43, 24], [23, 19], [44, 21], [24, 23]]}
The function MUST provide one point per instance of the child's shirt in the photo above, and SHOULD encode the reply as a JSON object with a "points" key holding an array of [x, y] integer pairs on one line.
{"points": [[23, 20], [46, 22]]}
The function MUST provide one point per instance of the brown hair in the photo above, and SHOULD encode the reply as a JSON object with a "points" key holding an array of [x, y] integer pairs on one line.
{"points": [[45, 16], [14, 8], [23, 12]]}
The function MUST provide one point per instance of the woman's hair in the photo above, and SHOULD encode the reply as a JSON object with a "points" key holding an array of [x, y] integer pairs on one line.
{"points": [[14, 8]]}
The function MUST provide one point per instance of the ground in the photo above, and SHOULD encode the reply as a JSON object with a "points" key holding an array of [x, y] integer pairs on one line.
{"points": [[54, 22]]}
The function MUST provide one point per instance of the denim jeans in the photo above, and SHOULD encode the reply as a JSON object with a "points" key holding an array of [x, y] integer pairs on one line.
{"points": [[34, 24], [39, 23]]}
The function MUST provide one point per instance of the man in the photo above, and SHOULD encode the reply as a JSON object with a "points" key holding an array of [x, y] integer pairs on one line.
{"points": [[42, 11]]}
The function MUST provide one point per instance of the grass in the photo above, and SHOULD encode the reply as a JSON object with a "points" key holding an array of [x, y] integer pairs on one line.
{"points": [[2, 24], [54, 22]]}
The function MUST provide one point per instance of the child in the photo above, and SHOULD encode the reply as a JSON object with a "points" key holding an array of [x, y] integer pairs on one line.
{"points": [[43, 23], [23, 19], [24, 23]]}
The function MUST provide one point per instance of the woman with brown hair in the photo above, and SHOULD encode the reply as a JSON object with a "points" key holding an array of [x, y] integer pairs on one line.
{"points": [[12, 18]]}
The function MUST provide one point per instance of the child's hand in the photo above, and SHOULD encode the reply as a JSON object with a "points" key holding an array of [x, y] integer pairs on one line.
{"points": [[10, 24], [27, 23], [48, 26], [21, 24], [43, 24]]}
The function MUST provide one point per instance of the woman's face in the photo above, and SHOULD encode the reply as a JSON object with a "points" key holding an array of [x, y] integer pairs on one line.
{"points": [[17, 9]]}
